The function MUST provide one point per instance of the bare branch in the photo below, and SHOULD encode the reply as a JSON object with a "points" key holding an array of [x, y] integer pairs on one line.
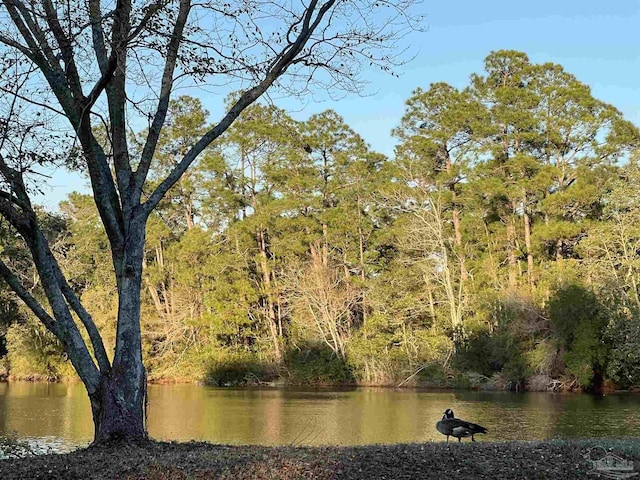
{"points": [[18, 46], [84, 316], [116, 96], [15, 217], [30, 100], [165, 93], [30, 30], [278, 68], [66, 50], [97, 35]]}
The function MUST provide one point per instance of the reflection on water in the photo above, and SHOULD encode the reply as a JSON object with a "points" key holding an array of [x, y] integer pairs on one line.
{"points": [[59, 414]]}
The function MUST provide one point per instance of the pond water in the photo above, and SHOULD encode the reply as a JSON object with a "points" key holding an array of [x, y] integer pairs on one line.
{"points": [[58, 415]]}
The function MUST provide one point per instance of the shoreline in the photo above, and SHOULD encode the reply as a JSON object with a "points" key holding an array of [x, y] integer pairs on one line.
{"points": [[433, 460], [276, 385]]}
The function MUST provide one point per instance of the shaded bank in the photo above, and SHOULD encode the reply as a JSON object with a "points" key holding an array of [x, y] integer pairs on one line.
{"points": [[157, 460]]}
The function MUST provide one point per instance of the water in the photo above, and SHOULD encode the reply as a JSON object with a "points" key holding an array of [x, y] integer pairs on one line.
{"points": [[58, 415]]}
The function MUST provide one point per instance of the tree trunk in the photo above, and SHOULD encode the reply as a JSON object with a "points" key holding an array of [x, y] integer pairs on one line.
{"points": [[432, 303], [636, 296], [527, 242], [189, 215], [119, 405], [363, 274], [363, 279], [513, 261], [456, 221], [458, 238], [116, 413], [559, 244], [325, 245], [268, 293], [326, 204]]}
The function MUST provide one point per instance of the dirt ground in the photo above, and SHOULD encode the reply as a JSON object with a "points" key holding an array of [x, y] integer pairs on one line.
{"points": [[181, 461]]}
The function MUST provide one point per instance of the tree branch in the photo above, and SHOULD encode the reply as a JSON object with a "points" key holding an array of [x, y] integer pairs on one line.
{"points": [[18, 46], [84, 316], [66, 49], [102, 184], [63, 327], [165, 94], [13, 216], [35, 38], [97, 35], [66, 328], [278, 67], [66, 331], [30, 100], [117, 98]]}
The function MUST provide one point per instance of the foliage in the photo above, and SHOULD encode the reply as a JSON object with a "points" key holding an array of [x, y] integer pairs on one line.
{"points": [[499, 246], [35, 354], [623, 336], [579, 323]]}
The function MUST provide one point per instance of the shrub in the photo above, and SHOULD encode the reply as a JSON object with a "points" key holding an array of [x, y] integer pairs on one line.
{"points": [[482, 353], [579, 321], [384, 354], [316, 365], [35, 354], [4, 368], [623, 365], [236, 368]]}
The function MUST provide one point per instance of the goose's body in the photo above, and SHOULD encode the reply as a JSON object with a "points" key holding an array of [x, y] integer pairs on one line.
{"points": [[451, 426]]}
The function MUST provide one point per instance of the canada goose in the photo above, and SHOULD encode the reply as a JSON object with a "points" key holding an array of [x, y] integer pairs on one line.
{"points": [[449, 425]]}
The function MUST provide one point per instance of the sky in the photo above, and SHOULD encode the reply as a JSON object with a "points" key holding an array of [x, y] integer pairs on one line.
{"points": [[597, 41]]}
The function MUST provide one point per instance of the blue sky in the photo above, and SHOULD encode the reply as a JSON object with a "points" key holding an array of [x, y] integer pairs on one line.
{"points": [[598, 41]]}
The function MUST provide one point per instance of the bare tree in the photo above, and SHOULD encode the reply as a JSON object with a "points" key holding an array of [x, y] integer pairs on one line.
{"points": [[431, 248], [101, 69], [322, 302]]}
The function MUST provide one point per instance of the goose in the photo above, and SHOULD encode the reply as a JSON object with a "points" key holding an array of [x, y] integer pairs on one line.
{"points": [[449, 425]]}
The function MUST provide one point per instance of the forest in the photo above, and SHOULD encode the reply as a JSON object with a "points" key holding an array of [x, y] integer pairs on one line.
{"points": [[498, 248]]}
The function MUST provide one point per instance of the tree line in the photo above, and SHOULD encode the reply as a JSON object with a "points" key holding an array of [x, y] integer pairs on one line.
{"points": [[497, 248]]}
